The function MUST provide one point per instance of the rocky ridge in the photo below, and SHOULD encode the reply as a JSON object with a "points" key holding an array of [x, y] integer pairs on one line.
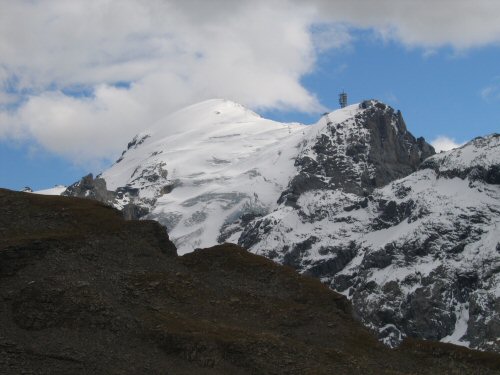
{"points": [[84, 291], [367, 149]]}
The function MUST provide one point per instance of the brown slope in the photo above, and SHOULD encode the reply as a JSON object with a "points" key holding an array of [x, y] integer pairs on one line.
{"points": [[85, 292]]}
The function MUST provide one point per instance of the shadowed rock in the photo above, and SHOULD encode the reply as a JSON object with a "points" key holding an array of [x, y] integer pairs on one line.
{"points": [[84, 291]]}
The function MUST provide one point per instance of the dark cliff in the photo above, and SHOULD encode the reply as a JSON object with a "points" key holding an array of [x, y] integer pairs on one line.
{"points": [[363, 152]]}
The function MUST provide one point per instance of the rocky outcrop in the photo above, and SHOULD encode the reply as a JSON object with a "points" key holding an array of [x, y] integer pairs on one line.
{"points": [[394, 151], [95, 189], [363, 152], [91, 188]]}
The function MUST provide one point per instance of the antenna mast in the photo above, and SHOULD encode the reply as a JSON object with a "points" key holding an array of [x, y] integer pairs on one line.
{"points": [[343, 99]]}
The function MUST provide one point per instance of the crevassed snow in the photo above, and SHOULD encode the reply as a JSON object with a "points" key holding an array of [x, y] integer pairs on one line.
{"points": [[223, 159]]}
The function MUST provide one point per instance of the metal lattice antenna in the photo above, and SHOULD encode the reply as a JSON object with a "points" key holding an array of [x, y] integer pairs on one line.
{"points": [[343, 99]]}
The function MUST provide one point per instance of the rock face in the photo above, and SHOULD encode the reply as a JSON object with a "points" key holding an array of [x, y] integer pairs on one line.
{"points": [[366, 150], [96, 189], [84, 291], [91, 188], [355, 200]]}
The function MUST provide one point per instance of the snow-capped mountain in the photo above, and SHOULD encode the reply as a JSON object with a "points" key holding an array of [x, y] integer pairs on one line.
{"points": [[418, 257], [205, 167], [411, 238]]}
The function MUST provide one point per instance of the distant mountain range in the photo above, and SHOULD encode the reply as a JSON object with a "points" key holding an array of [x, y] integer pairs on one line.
{"points": [[410, 236]]}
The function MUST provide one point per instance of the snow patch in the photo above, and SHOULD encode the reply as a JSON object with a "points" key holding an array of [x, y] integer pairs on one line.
{"points": [[56, 190]]}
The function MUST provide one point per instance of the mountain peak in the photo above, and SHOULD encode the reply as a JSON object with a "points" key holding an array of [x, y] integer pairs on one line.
{"points": [[356, 109], [340, 115], [222, 106], [198, 117], [357, 149]]}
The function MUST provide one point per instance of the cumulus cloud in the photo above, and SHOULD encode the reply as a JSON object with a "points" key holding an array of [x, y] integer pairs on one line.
{"points": [[426, 23], [444, 143], [169, 54], [83, 76]]}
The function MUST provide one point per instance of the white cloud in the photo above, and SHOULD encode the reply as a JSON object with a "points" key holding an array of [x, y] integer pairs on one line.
{"points": [[330, 35], [444, 143], [492, 91], [173, 53], [425, 23]]}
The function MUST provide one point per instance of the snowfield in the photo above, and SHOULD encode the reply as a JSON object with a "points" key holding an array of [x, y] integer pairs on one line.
{"points": [[224, 161]]}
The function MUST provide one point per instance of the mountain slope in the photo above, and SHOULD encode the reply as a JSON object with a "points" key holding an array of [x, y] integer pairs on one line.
{"points": [[84, 291], [221, 161], [418, 257], [416, 250]]}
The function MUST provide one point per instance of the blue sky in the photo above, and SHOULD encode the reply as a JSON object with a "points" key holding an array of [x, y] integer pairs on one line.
{"points": [[441, 94], [70, 99]]}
